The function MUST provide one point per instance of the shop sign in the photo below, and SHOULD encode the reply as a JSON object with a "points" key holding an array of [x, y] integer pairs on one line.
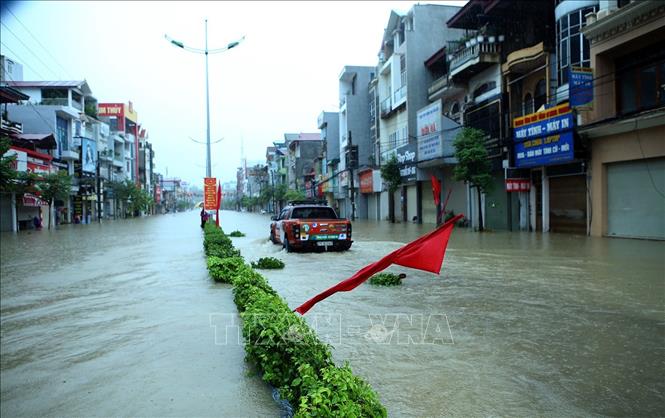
{"points": [[518, 185], [544, 151], [33, 201], [406, 158], [429, 132], [113, 110], [308, 189], [210, 193], [540, 124], [366, 181], [581, 87], [343, 178], [544, 138]]}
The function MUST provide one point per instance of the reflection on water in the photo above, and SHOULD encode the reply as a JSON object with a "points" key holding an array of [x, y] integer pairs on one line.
{"points": [[114, 319], [533, 324]]}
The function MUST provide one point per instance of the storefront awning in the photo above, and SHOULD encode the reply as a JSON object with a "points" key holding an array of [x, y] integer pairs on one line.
{"points": [[31, 200]]}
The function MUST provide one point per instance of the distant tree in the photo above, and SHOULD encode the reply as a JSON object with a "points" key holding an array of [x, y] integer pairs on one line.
{"points": [[393, 179], [7, 171], [473, 166], [294, 195], [54, 186]]}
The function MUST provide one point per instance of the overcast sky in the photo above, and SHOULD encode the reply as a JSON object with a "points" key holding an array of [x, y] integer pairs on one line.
{"points": [[277, 80]]}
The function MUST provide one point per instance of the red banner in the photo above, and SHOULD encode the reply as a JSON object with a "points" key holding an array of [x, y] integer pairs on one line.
{"points": [[210, 193], [366, 183]]}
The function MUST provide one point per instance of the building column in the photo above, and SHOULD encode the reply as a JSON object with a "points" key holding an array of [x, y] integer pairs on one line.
{"points": [[532, 210], [546, 203], [12, 203]]}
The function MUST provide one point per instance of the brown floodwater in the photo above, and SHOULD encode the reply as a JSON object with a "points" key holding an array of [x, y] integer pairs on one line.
{"points": [[119, 319]]}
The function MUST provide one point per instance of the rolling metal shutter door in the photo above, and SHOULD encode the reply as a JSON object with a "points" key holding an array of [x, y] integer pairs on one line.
{"points": [[635, 204], [568, 204]]}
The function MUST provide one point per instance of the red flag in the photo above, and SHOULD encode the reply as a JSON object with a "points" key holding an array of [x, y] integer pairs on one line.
{"points": [[436, 190], [426, 253], [219, 202]]}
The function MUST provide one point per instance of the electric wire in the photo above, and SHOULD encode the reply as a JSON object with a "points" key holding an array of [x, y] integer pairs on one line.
{"points": [[30, 50]]}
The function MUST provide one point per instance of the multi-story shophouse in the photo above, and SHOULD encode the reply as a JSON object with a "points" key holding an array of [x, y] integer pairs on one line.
{"points": [[302, 150], [328, 183], [500, 70], [57, 107], [402, 82], [624, 119], [355, 145], [32, 153], [146, 163]]}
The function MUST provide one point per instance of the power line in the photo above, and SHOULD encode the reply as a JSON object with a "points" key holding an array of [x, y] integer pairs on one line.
{"points": [[21, 59], [36, 40], [29, 50]]}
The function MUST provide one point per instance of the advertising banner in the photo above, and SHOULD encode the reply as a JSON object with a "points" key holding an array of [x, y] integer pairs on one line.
{"points": [[581, 87], [88, 155], [114, 111], [210, 193], [518, 185], [366, 181], [406, 158], [429, 132]]}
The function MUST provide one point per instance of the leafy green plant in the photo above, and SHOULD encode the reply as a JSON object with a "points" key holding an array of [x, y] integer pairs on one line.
{"points": [[386, 279], [282, 345], [224, 269], [473, 165], [268, 263], [54, 186], [393, 179], [336, 393], [236, 234]]}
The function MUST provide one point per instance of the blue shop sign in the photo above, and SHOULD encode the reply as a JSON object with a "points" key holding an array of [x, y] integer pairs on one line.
{"points": [[545, 127], [581, 87], [543, 151]]}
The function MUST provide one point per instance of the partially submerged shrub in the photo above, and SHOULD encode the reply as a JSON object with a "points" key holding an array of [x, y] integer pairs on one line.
{"points": [[386, 279], [224, 269], [236, 233], [268, 263]]}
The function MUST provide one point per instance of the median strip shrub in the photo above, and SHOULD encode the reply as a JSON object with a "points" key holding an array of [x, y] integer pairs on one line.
{"points": [[268, 263], [236, 234], [386, 279], [281, 344]]}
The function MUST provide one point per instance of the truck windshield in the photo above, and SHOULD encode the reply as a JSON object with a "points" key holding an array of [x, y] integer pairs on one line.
{"points": [[313, 213]]}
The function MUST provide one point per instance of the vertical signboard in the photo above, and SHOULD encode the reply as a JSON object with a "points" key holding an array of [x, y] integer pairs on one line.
{"points": [[89, 155], [406, 158], [581, 87], [210, 193], [429, 132], [366, 181]]}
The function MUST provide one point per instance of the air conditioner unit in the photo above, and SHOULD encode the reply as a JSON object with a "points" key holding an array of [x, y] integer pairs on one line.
{"points": [[602, 13]]}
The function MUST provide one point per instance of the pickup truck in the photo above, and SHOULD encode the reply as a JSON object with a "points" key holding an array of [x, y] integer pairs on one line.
{"points": [[310, 226]]}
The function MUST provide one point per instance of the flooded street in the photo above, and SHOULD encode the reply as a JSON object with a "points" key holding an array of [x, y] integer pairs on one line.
{"points": [[114, 319], [531, 325]]}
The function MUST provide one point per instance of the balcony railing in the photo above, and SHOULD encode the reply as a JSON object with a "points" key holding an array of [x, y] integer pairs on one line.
{"points": [[479, 50], [13, 127], [399, 94], [77, 105], [55, 101], [386, 106]]}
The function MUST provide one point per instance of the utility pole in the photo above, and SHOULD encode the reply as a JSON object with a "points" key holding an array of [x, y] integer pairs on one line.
{"points": [[352, 163], [99, 190]]}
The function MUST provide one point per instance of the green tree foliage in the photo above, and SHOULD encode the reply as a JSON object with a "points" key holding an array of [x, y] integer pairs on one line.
{"points": [[131, 195], [294, 195], [393, 179], [54, 186], [7, 172], [473, 165]]}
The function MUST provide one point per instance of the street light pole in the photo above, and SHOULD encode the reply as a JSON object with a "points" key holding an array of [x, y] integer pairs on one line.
{"points": [[208, 161], [206, 52]]}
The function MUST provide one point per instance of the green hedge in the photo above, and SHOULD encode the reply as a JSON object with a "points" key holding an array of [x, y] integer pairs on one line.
{"points": [[268, 263], [283, 346]]}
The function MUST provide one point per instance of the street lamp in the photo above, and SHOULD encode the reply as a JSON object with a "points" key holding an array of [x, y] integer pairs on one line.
{"points": [[205, 51]]}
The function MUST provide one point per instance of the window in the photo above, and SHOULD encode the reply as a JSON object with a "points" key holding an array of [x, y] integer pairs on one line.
{"points": [[540, 94], [62, 128], [484, 88], [527, 106], [572, 48], [402, 67], [641, 80]]}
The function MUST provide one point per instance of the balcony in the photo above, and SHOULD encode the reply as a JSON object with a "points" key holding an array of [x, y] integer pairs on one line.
{"points": [[471, 60], [443, 87], [399, 95], [11, 127], [118, 162], [386, 107], [69, 155], [54, 101]]}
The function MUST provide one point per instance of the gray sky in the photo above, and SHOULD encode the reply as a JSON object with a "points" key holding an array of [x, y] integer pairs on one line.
{"points": [[278, 80]]}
